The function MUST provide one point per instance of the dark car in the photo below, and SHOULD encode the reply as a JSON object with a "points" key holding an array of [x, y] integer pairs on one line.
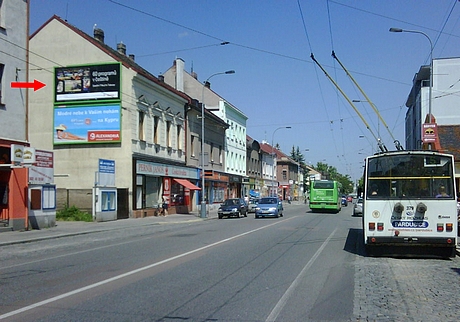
{"points": [[234, 207], [344, 201], [269, 207]]}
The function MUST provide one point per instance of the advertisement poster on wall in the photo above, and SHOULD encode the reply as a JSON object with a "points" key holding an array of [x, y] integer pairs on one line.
{"points": [[87, 83], [87, 124]]}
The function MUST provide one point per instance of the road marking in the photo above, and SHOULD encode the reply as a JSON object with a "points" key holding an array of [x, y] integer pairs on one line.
{"points": [[141, 269], [283, 300]]}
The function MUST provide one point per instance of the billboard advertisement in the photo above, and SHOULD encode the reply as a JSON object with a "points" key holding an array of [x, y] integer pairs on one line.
{"points": [[87, 83], [87, 124]]}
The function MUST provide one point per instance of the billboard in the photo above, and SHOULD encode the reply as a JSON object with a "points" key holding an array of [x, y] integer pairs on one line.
{"points": [[86, 124], [87, 83]]}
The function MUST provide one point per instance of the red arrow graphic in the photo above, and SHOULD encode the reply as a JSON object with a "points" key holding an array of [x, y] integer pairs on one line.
{"points": [[36, 85]]}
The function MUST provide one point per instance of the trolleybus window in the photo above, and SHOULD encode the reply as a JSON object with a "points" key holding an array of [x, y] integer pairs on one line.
{"points": [[410, 176]]}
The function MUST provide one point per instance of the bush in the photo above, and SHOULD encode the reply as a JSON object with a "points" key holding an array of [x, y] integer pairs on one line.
{"points": [[73, 214]]}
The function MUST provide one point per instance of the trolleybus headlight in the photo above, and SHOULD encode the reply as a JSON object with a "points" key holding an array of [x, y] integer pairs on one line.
{"points": [[398, 208], [449, 227], [421, 208], [440, 227], [372, 226], [380, 226]]}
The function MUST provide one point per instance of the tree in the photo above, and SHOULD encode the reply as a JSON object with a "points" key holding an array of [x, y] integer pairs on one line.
{"points": [[330, 173]]}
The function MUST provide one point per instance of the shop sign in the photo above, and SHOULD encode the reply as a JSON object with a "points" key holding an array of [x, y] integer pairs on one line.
{"points": [[159, 169]]}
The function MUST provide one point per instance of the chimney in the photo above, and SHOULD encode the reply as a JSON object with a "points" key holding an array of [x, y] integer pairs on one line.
{"points": [[207, 84], [132, 57], [99, 34], [121, 47], [179, 74], [161, 78]]}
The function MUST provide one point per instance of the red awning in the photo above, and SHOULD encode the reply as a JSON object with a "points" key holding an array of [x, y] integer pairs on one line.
{"points": [[187, 184]]}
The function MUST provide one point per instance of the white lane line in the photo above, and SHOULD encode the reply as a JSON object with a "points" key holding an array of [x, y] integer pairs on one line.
{"points": [[115, 278], [283, 300]]}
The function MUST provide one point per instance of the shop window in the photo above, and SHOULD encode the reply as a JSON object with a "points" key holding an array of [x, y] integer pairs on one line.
{"points": [[177, 195], [3, 194], [108, 201]]}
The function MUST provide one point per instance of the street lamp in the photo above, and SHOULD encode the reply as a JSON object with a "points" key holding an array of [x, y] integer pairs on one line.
{"points": [[273, 154], [431, 63], [203, 190]]}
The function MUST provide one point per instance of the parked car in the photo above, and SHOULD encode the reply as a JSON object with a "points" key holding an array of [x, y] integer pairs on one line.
{"points": [[252, 204], [358, 207], [344, 201], [234, 207], [349, 198], [269, 207]]}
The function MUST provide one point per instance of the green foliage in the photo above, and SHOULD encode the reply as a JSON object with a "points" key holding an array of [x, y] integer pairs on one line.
{"points": [[73, 214]]}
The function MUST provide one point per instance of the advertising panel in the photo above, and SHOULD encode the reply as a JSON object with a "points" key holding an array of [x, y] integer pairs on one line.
{"points": [[86, 83], [42, 172], [87, 124]]}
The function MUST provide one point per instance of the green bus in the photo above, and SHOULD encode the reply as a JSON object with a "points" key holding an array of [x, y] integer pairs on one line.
{"points": [[325, 195]]}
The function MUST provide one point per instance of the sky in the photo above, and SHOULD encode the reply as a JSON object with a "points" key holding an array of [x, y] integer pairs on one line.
{"points": [[276, 83]]}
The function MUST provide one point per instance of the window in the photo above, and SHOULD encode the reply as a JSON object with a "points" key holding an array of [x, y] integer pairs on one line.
{"points": [[2, 68], [192, 146], [141, 133], [221, 160], [168, 134], [210, 153], [108, 201], [156, 119], [284, 175], [178, 130], [1, 15]]}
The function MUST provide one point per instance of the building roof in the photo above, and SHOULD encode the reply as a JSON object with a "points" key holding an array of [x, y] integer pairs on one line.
{"points": [[449, 137]]}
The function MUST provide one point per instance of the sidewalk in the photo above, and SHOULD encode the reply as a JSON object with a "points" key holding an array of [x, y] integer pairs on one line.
{"points": [[72, 228]]}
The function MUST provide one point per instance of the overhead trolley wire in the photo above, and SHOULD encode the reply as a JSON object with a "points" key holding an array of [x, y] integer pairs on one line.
{"points": [[317, 78]]}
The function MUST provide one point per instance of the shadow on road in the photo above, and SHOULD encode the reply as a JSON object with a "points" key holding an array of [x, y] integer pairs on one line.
{"points": [[354, 243]]}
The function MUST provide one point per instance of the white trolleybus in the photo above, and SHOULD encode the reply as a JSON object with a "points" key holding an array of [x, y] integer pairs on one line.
{"points": [[410, 204]]}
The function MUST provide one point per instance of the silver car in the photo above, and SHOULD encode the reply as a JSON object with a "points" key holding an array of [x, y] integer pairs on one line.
{"points": [[358, 207], [252, 204], [269, 207]]}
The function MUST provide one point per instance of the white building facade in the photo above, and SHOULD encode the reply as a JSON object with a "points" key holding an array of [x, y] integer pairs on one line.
{"points": [[444, 102]]}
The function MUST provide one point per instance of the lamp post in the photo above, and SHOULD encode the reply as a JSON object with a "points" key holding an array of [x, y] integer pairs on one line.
{"points": [[273, 154], [431, 63], [203, 190]]}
